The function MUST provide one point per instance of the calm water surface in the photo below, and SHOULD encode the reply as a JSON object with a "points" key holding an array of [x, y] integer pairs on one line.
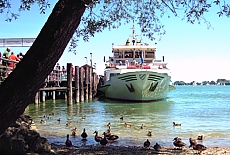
{"points": [[200, 109]]}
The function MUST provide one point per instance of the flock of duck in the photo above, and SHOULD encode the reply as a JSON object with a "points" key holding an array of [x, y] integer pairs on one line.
{"points": [[108, 137]]}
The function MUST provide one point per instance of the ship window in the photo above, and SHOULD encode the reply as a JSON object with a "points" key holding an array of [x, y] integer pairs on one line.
{"points": [[121, 55], [128, 54], [149, 54], [116, 54], [113, 74]]}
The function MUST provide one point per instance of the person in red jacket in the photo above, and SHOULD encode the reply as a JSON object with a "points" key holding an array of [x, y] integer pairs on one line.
{"points": [[13, 57]]}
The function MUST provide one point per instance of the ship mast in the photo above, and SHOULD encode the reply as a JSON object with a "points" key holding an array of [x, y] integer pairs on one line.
{"points": [[133, 34]]}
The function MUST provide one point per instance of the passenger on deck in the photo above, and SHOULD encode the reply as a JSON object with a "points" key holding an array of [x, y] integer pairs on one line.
{"points": [[127, 62], [134, 62], [63, 69]]}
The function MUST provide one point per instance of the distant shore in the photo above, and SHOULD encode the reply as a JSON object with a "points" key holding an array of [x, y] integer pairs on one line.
{"points": [[132, 150]]}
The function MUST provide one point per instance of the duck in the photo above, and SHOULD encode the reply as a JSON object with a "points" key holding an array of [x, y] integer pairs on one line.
{"points": [[199, 148], [74, 131], [107, 133], [201, 137], [59, 120], [112, 138], [84, 134], [157, 147], [132, 109], [42, 121], [127, 125], [96, 137], [149, 133], [192, 142], [109, 124], [104, 141], [178, 143], [68, 143], [51, 114], [122, 118], [143, 126], [83, 117], [67, 124], [146, 143], [176, 124]]}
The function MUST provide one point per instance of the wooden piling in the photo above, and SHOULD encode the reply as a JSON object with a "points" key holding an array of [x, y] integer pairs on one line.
{"points": [[53, 95], [90, 83], [86, 82], [36, 98], [85, 85], [81, 84], [69, 84], [76, 82], [43, 96]]}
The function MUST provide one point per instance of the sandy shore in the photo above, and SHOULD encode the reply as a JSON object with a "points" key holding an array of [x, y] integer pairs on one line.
{"points": [[132, 150]]}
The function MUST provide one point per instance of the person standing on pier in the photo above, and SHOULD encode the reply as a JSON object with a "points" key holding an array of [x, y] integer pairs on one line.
{"points": [[14, 58], [6, 56]]}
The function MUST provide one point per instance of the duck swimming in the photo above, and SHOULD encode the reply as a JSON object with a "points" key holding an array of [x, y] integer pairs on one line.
{"points": [[109, 124], [68, 143], [42, 121], [149, 133], [176, 124], [143, 126], [127, 125], [122, 118], [201, 137], [74, 131]]}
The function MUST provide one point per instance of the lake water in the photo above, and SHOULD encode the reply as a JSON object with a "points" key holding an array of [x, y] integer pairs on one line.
{"points": [[202, 110]]}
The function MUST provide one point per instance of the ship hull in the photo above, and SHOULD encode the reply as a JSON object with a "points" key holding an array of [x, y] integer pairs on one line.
{"points": [[139, 86]]}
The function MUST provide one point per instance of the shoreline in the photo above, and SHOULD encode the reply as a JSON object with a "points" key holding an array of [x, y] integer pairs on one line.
{"points": [[133, 150]]}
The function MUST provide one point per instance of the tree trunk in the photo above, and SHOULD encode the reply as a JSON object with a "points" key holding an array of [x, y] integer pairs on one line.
{"points": [[19, 89]]}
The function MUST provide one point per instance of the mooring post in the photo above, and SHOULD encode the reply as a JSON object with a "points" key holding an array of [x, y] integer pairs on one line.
{"points": [[77, 91], [81, 84], [36, 98], [90, 83], [54, 94], [94, 84], [43, 96], [86, 82], [69, 84]]}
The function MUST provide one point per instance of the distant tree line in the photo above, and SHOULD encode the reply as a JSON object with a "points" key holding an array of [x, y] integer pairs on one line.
{"points": [[218, 82]]}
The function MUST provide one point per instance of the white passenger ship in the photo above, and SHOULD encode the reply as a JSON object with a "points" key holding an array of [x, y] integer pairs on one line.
{"points": [[133, 73]]}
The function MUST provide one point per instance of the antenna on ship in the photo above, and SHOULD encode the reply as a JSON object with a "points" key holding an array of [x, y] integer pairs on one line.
{"points": [[133, 34]]}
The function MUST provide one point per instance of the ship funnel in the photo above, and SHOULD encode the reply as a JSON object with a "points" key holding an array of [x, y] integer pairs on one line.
{"points": [[127, 42], [138, 43]]}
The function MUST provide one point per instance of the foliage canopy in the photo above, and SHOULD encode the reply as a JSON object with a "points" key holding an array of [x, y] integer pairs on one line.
{"points": [[113, 13]]}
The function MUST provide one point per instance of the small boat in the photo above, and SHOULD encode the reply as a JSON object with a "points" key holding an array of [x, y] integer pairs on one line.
{"points": [[133, 73]]}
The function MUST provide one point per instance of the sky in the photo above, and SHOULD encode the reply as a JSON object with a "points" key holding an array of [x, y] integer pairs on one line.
{"points": [[193, 52]]}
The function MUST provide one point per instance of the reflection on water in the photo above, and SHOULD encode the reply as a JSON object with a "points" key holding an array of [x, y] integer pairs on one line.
{"points": [[185, 107]]}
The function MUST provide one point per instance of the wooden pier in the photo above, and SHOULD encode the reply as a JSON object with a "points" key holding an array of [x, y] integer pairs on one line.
{"points": [[75, 84], [78, 85]]}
